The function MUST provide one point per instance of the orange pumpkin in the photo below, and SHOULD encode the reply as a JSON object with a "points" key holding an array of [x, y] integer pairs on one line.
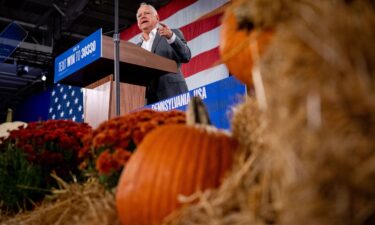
{"points": [[235, 45], [172, 160]]}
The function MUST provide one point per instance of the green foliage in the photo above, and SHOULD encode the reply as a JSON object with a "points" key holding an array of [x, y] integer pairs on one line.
{"points": [[18, 180], [110, 181]]}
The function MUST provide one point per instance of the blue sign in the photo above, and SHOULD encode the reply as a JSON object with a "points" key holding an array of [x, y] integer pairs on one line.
{"points": [[80, 55], [219, 98]]}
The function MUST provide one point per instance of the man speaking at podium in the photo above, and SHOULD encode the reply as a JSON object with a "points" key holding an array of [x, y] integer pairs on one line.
{"points": [[170, 43]]}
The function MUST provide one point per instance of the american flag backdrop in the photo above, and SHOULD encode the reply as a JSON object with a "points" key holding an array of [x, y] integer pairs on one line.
{"points": [[66, 103], [199, 20]]}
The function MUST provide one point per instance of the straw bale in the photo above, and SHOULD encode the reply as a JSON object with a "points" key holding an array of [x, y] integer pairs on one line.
{"points": [[73, 204], [319, 78], [313, 161]]}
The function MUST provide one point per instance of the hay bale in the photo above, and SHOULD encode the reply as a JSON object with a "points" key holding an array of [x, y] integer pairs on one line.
{"points": [[319, 76], [74, 204], [315, 163]]}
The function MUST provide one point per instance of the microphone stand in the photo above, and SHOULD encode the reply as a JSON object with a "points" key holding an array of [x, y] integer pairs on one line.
{"points": [[116, 40]]}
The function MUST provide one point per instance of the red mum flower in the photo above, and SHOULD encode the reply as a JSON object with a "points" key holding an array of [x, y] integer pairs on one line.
{"points": [[104, 162], [121, 156]]}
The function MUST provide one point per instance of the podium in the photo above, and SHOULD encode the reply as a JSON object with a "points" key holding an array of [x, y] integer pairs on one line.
{"points": [[90, 64]]}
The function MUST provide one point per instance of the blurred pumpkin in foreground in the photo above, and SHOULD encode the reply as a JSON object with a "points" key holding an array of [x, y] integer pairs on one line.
{"points": [[237, 38], [172, 160]]}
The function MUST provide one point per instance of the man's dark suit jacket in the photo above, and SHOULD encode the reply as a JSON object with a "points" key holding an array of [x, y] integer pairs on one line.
{"points": [[170, 84]]}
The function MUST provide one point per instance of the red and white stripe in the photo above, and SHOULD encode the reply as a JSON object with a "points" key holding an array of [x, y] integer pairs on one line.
{"points": [[201, 33]]}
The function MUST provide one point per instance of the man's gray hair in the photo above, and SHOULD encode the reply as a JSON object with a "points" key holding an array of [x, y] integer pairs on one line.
{"points": [[151, 7]]}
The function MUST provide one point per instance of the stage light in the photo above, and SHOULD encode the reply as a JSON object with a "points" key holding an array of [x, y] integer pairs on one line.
{"points": [[43, 78]]}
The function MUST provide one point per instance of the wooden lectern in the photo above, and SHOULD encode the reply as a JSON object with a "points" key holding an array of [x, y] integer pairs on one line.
{"points": [[137, 67]]}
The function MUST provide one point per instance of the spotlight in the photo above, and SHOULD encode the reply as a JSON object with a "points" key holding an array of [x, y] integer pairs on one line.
{"points": [[43, 76]]}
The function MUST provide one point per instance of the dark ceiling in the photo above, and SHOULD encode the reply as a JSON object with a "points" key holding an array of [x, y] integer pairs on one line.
{"points": [[52, 27]]}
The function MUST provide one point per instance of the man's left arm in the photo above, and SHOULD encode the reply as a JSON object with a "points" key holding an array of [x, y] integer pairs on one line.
{"points": [[178, 43]]}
